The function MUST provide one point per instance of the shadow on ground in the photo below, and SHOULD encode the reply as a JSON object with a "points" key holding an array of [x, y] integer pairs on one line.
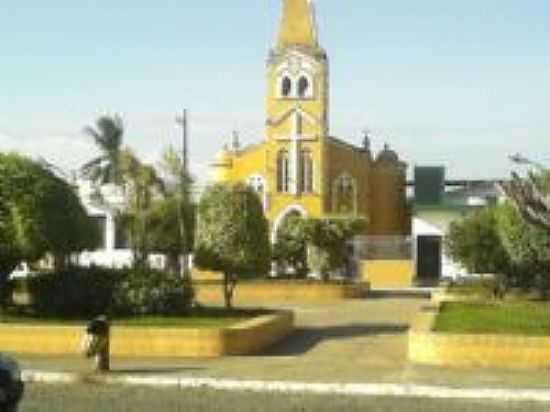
{"points": [[399, 294], [302, 340]]}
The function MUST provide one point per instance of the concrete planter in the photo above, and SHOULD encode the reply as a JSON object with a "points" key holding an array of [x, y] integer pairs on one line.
{"points": [[469, 350], [281, 291], [244, 338]]}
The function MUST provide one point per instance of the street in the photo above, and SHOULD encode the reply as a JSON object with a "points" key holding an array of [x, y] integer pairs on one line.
{"points": [[87, 398]]}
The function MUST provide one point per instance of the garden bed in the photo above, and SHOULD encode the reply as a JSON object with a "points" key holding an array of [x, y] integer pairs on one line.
{"points": [[152, 337], [497, 335]]}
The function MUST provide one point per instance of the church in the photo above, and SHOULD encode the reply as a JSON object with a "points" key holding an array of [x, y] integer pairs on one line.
{"points": [[299, 167]]}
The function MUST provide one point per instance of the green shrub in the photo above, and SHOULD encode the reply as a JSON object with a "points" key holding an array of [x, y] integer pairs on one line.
{"points": [[73, 293], [475, 242], [150, 292], [88, 292], [326, 239], [290, 251]]}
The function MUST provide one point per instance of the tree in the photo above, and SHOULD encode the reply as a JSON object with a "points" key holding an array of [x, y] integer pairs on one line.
{"points": [[475, 243], [232, 235], [327, 242], [141, 182], [165, 235], [39, 213], [290, 251], [526, 228], [107, 134], [531, 196], [528, 248], [181, 232]]}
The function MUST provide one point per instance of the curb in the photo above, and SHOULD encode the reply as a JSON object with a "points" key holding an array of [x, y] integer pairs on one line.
{"points": [[350, 389]]}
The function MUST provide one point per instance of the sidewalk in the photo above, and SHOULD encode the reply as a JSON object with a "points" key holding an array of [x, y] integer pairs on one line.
{"points": [[355, 344]]}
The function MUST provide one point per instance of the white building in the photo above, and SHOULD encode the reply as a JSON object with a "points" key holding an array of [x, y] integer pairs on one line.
{"points": [[104, 204], [436, 204]]}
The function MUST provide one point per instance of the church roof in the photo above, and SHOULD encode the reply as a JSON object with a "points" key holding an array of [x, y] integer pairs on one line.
{"points": [[298, 27]]}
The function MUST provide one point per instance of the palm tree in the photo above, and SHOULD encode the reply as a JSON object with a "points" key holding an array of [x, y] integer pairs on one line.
{"points": [[107, 134]]}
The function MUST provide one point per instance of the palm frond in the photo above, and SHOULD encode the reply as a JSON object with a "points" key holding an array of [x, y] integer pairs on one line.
{"points": [[92, 164]]}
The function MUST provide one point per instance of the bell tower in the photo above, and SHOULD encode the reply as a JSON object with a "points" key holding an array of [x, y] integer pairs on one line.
{"points": [[297, 99]]}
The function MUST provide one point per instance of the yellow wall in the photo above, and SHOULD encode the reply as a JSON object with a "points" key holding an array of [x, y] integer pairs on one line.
{"points": [[341, 158], [244, 338], [279, 291], [388, 209], [387, 273]]}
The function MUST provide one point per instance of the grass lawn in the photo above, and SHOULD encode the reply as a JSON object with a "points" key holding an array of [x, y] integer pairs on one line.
{"points": [[204, 318], [521, 318]]}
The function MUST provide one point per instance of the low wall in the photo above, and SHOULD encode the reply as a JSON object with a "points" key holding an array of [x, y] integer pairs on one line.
{"points": [[208, 275], [280, 291], [244, 338], [382, 274], [469, 350]]}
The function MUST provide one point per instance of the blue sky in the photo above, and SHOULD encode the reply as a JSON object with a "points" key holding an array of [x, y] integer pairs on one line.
{"points": [[459, 83]]}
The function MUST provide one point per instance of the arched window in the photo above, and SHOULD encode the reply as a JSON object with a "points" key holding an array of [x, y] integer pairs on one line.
{"points": [[306, 172], [286, 87], [283, 176], [344, 195], [303, 87]]}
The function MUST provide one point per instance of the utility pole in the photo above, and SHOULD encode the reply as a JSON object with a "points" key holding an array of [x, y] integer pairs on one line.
{"points": [[183, 198], [182, 121]]}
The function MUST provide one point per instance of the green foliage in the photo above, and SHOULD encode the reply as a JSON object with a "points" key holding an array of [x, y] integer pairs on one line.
{"points": [[72, 293], [527, 246], [88, 292], [327, 242], [476, 244], [164, 231], [290, 251], [232, 234], [531, 197], [142, 183], [107, 134], [151, 292], [232, 231], [39, 213]]}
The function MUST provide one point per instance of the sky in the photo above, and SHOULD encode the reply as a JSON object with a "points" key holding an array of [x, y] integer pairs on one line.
{"points": [[462, 84]]}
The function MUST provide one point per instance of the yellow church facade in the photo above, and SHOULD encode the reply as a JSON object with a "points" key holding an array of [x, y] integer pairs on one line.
{"points": [[299, 167]]}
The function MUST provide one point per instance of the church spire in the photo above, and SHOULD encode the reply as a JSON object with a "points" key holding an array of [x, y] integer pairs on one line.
{"points": [[298, 25]]}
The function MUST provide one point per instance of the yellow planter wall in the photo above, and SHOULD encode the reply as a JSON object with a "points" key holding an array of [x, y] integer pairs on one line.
{"points": [[387, 273], [464, 350], [244, 338], [283, 292]]}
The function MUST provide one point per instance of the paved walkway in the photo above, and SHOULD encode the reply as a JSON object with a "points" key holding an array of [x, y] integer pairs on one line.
{"points": [[349, 342]]}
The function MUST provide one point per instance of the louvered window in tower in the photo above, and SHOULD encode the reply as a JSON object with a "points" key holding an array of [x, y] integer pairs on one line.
{"points": [[303, 87], [286, 87]]}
